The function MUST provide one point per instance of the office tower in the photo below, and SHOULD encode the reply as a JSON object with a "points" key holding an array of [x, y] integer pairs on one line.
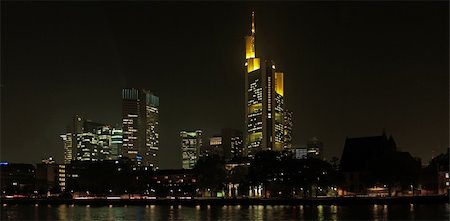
{"points": [[264, 101], [70, 139], [191, 144], [87, 141], [116, 143], [227, 145], [315, 148], [288, 129], [214, 147], [232, 143], [46, 175], [68, 150], [140, 131]]}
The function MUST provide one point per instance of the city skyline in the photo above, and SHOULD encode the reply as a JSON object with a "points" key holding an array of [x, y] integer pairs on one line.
{"points": [[336, 87]]}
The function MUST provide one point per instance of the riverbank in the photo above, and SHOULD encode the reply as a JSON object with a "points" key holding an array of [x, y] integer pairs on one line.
{"points": [[237, 201]]}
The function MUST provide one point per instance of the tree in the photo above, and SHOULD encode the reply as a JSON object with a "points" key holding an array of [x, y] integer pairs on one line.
{"points": [[211, 173]]}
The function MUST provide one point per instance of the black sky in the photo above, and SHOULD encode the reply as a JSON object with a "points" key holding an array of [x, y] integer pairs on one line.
{"points": [[351, 69]]}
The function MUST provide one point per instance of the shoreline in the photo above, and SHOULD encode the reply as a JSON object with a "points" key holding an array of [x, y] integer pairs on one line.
{"points": [[236, 201]]}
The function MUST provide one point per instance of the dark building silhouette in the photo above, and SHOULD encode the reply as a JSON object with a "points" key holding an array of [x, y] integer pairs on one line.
{"points": [[315, 148], [47, 175], [228, 145], [17, 178], [374, 164], [435, 178]]}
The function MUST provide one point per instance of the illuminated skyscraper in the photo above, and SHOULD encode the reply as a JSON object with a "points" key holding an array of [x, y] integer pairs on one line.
{"points": [[264, 101], [140, 118], [288, 129], [116, 143], [87, 141], [191, 144], [68, 144]]}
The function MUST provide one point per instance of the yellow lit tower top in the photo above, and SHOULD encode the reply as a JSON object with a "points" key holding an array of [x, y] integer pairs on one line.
{"points": [[250, 53]]}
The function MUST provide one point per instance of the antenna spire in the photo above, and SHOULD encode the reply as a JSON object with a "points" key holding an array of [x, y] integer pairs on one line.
{"points": [[253, 23]]}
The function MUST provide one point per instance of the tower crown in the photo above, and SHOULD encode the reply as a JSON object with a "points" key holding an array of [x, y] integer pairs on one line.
{"points": [[253, 23]]}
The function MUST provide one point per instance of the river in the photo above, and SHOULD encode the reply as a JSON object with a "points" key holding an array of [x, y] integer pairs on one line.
{"points": [[439, 211]]}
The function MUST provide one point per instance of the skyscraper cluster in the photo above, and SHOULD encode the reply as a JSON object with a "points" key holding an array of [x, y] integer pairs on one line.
{"points": [[137, 139], [86, 140], [268, 125]]}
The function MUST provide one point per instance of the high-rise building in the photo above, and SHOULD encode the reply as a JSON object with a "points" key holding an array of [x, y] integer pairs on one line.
{"points": [[264, 101], [46, 174], [232, 143], [116, 143], [68, 144], [191, 144], [140, 131], [70, 139], [87, 141], [89, 146], [214, 147], [288, 129], [227, 145], [315, 148]]}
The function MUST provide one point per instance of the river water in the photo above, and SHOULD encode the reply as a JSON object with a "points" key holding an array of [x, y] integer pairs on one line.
{"points": [[256, 212]]}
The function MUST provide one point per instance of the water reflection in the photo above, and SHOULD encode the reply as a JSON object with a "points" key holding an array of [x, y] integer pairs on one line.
{"points": [[333, 212], [236, 212], [62, 212], [320, 212]]}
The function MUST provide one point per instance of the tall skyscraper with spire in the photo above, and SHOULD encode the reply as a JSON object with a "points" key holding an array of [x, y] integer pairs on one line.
{"points": [[264, 101]]}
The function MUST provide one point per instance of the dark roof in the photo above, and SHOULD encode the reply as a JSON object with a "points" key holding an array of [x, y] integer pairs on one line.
{"points": [[360, 154]]}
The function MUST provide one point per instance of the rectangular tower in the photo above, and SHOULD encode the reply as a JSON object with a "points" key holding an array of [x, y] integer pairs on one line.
{"points": [[191, 144], [264, 102], [140, 130]]}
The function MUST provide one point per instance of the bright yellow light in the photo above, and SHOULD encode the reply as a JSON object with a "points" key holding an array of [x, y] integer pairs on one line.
{"points": [[278, 146], [254, 108], [249, 47], [279, 83], [255, 136], [253, 64]]}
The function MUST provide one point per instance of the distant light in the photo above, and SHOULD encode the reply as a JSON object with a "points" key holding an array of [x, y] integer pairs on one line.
{"points": [[273, 66], [4, 163]]}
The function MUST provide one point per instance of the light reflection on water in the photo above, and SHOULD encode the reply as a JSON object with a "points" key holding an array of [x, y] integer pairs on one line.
{"points": [[230, 212]]}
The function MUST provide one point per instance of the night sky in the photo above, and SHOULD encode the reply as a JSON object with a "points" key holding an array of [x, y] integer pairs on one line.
{"points": [[351, 69]]}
